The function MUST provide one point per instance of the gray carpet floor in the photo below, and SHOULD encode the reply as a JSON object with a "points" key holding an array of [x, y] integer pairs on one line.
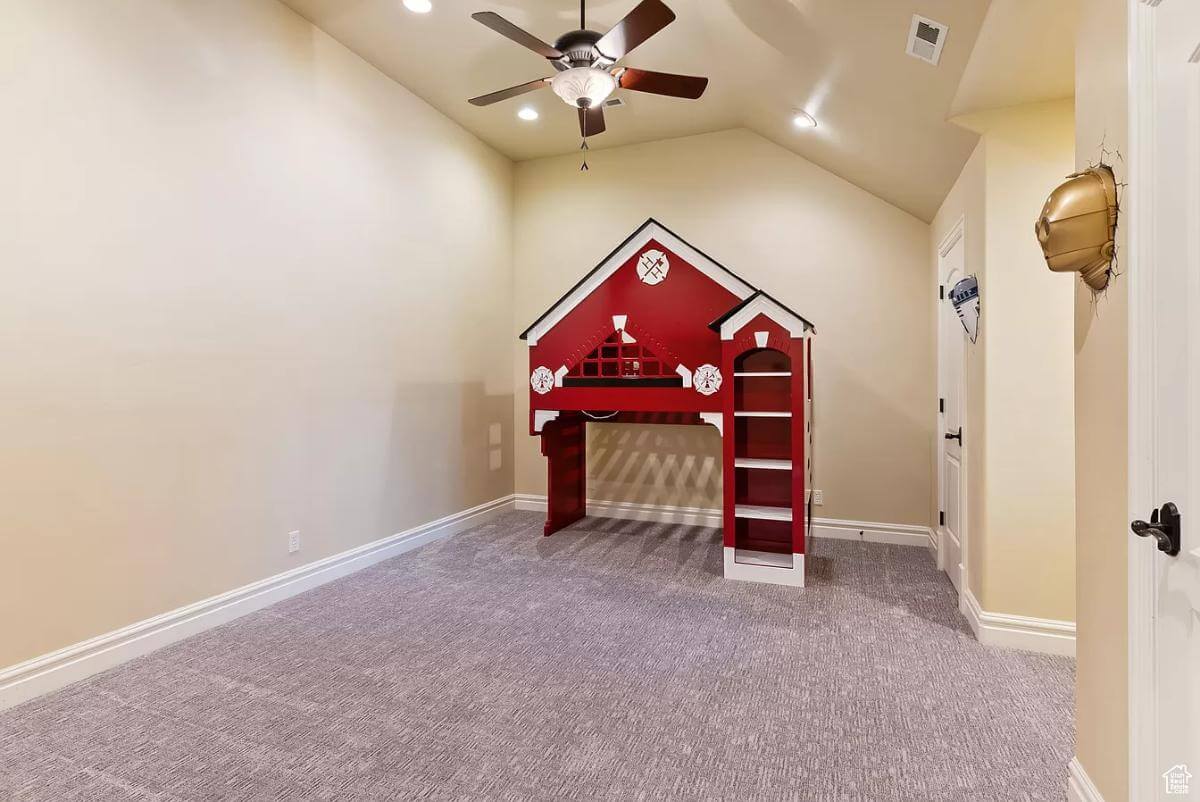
{"points": [[609, 661]]}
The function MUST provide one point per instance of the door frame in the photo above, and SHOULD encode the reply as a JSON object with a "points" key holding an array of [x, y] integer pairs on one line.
{"points": [[1144, 752], [957, 233]]}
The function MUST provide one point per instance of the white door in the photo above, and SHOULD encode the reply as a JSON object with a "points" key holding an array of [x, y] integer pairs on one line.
{"points": [[1166, 400], [950, 435]]}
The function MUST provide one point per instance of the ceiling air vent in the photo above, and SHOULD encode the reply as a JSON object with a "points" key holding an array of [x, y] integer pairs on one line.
{"points": [[614, 102], [925, 39]]}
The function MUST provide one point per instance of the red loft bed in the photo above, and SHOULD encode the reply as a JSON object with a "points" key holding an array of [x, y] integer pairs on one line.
{"points": [[659, 332]]}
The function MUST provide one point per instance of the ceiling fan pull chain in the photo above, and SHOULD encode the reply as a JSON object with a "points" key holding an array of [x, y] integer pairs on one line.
{"points": [[583, 125]]}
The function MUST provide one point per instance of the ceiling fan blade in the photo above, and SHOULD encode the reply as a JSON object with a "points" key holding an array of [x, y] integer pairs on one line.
{"points": [[505, 28], [662, 83], [505, 94], [650, 17], [591, 121]]}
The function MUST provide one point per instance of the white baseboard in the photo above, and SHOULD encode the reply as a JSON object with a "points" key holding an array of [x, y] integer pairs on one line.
{"points": [[1080, 787], [900, 534], [632, 511], [869, 532], [40, 675], [658, 513], [1045, 635]]}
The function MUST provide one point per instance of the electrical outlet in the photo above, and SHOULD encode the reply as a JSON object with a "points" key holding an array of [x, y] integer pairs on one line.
{"points": [[293, 542], [818, 497]]}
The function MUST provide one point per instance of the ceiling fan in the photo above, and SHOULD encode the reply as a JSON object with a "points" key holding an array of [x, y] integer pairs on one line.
{"points": [[586, 63]]}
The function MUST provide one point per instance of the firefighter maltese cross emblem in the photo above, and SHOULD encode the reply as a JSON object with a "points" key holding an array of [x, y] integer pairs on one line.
{"points": [[542, 380], [652, 267], [707, 379]]}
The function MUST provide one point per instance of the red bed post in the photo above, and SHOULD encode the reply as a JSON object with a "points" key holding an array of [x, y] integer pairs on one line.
{"points": [[564, 444], [800, 424], [729, 436]]}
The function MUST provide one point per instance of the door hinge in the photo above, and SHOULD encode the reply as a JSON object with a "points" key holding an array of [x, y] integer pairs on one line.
{"points": [[941, 292], [941, 405], [941, 517]]}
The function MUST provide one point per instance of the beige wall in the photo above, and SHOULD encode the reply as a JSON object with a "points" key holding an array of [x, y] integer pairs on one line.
{"points": [[250, 286], [855, 265], [1101, 386], [1020, 387]]}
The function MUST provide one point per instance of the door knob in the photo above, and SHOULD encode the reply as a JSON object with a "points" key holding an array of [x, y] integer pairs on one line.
{"points": [[956, 436], [1164, 527]]}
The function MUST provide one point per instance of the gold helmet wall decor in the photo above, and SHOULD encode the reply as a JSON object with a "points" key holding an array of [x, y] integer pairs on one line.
{"points": [[1077, 228]]}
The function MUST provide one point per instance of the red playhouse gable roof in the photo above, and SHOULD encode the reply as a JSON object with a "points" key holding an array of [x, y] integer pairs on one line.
{"points": [[643, 331], [649, 232], [766, 304]]}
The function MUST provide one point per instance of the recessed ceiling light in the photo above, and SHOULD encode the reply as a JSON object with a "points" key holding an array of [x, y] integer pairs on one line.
{"points": [[804, 120], [527, 113], [418, 6]]}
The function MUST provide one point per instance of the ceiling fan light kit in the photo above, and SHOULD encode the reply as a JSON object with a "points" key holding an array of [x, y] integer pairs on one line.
{"points": [[585, 63], [583, 87]]}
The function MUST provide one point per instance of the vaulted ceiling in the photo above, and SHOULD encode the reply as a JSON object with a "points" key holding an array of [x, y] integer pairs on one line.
{"points": [[1025, 53], [882, 115]]}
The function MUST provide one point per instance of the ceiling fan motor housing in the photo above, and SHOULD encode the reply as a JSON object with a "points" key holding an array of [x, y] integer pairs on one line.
{"points": [[578, 49]]}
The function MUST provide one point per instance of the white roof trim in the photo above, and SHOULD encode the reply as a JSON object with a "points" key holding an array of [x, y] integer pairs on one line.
{"points": [[685, 373], [651, 231], [714, 419], [765, 306], [543, 416]]}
